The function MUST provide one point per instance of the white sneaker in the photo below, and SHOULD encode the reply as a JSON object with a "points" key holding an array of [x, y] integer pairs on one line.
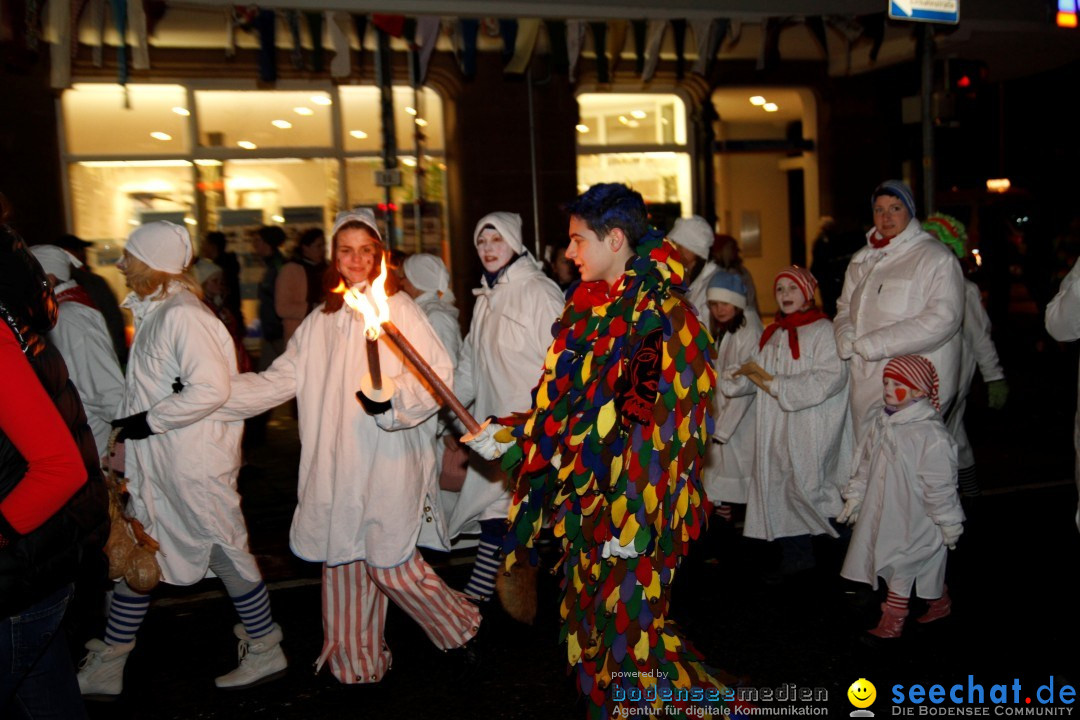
{"points": [[101, 673], [261, 660]]}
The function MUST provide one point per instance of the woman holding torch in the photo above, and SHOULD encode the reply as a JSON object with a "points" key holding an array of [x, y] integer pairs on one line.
{"points": [[368, 492]]}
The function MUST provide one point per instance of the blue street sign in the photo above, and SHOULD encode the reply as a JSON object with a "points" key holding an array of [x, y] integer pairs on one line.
{"points": [[939, 11]]}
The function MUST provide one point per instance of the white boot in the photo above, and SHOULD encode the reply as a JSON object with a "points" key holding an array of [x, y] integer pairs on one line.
{"points": [[101, 673], [261, 660]]}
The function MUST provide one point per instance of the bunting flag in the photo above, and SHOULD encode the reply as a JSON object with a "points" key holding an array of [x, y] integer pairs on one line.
{"points": [[140, 51], [508, 30], [678, 29], [392, 25], [736, 32], [874, 26], [97, 19], [76, 8], [315, 29], [654, 39], [708, 34], [360, 24], [292, 18], [575, 38], [528, 31], [465, 45], [616, 41], [640, 30], [338, 23], [427, 35], [266, 24], [154, 10], [556, 30], [770, 44], [60, 49], [599, 33], [119, 9], [816, 25]]}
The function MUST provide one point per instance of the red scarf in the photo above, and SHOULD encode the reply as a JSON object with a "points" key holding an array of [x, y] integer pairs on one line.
{"points": [[790, 323], [76, 294], [878, 242]]}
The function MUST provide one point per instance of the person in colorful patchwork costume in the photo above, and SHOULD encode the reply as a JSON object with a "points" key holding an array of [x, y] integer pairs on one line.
{"points": [[611, 455]]}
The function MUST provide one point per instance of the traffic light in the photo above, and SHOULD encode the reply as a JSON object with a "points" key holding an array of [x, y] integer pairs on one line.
{"points": [[964, 77], [1066, 13]]}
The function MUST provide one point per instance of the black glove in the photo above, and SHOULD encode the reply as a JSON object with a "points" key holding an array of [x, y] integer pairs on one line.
{"points": [[133, 427], [370, 406]]}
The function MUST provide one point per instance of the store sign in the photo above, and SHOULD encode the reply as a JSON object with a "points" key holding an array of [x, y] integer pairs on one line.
{"points": [[388, 178], [939, 11]]}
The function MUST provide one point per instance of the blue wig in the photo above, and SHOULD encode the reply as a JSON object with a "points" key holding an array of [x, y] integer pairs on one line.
{"points": [[607, 206]]}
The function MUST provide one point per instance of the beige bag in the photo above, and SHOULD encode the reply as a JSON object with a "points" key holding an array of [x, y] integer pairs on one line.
{"points": [[131, 551]]}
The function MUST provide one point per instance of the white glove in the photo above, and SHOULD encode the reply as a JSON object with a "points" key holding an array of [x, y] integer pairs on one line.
{"points": [[845, 345], [484, 444], [951, 533], [850, 513], [612, 547], [862, 349]]}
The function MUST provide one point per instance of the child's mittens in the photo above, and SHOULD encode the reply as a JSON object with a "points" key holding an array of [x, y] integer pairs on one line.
{"points": [[864, 349], [845, 345], [997, 392], [850, 513], [951, 533]]}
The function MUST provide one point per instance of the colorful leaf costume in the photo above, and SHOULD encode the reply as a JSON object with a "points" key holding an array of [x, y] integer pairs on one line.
{"points": [[613, 448]]}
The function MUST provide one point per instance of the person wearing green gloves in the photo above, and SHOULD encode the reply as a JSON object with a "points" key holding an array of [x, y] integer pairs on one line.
{"points": [[977, 351]]}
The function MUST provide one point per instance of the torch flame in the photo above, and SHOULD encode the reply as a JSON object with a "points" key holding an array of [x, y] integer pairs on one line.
{"points": [[371, 302]]}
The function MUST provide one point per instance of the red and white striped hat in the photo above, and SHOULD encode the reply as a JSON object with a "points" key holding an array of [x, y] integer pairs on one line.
{"points": [[802, 278], [917, 372]]}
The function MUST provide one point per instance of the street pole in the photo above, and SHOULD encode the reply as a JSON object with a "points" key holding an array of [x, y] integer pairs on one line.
{"points": [[928, 167]]}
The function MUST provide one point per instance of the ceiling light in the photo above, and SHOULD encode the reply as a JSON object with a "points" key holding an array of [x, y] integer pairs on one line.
{"points": [[321, 100], [770, 107], [358, 134], [303, 110], [161, 136], [277, 218], [624, 120], [633, 124], [283, 124], [582, 128], [421, 122], [247, 144], [410, 110], [181, 111], [408, 162], [757, 100], [191, 221], [639, 114]]}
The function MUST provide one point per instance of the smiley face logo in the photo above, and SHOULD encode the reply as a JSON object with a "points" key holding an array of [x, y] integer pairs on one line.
{"points": [[862, 693]]}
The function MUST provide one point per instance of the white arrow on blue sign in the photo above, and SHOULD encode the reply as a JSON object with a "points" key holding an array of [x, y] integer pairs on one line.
{"points": [[939, 11]]}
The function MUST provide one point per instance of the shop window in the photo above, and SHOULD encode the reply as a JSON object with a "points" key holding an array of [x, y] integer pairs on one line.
{"points": [[131, 120], [362, 124], [406, 205], [252, 119], [638, 139]]}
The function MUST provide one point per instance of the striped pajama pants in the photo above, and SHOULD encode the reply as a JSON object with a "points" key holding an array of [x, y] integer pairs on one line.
{"points": [[354, 602]]}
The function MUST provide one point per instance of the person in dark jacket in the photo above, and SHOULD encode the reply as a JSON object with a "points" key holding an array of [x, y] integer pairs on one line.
{"points": [[53, 508]]}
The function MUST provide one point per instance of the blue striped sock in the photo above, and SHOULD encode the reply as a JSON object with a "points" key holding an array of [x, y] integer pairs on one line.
{"points": [[126, 613], [482, 581], [254, 611]]}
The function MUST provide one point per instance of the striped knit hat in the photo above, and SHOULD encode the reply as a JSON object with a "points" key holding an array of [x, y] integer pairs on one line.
{"points": [[802, 278], [917, 372], [948, 230]]}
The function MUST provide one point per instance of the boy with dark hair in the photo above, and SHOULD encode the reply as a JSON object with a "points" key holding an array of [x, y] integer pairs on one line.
{"points": [[611, 453]]}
